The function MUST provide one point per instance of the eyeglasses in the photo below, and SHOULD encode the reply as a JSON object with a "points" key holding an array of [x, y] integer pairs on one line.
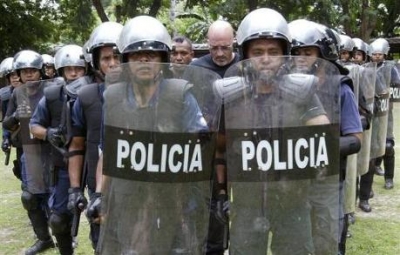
{"points": [[224, 48]]}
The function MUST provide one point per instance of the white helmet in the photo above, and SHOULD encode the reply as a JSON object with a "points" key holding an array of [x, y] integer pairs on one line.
{"points": [[27, 59], [6, 66], [69, 55], [307, 33], [380, 45], [263, 23], [48, 60], [85, 51], [106, 34], [144, 33], [360, 45], [346, 43]]}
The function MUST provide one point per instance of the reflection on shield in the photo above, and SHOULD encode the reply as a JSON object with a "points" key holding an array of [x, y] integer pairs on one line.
{"points": [[367, 88], [283, 174], [351, 167], [158, 151], [37, 162], [381, 109]]}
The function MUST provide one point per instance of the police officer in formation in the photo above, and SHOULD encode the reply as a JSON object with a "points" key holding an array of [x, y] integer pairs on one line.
{"points": [[86, 118], [13, 81], [309, 40], [48, 124], [34, 168], [49, 69], [143, 90], [379, 57], [386, 75]]}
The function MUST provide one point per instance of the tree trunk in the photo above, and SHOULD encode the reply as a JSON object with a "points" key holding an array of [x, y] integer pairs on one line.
{"points": [[100, 10], [154, 8], [368, 21], [252, 4]]}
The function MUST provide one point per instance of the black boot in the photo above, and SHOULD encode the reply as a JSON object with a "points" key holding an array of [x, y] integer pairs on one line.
{"points": [[64, 243], [40, 246], [364, 205]]}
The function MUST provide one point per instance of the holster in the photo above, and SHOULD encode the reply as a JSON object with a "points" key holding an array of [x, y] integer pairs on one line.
{"points": [[53, 176], [16, 169]]}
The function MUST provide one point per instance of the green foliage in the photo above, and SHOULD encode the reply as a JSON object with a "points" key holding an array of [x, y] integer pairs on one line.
{"points": [[41, 24], [25, 24], [76, 21]]}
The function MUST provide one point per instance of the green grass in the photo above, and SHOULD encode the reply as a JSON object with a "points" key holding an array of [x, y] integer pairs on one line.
{"points": [[376, 233], [16, 234]]}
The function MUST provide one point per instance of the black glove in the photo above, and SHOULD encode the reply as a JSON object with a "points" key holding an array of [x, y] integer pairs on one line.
{"points": [[76, 200], [6, 145], [222, 210], [94, 207], [55, 137]]}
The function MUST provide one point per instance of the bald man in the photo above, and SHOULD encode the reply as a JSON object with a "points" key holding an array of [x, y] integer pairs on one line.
{"points": [[220, 41]]}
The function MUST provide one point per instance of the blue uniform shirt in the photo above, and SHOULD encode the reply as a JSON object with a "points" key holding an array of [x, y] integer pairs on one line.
{"points": [[350, 122], [41, 116]]}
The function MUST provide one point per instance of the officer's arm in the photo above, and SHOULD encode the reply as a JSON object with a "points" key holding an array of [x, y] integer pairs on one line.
{"points": [[9, 121], [350, 144], [318, 120], [76, 148], [75, 160], [99, 174], [39, 117]]}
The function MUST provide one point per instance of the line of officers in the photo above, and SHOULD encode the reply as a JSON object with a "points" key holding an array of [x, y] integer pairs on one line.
{"points": [[54, 111]]}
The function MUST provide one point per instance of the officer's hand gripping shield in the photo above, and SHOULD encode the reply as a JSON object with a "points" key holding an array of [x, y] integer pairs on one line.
{"points": [[351, 167], [381, 110], [36, 159], [159, 139], [282, 133], [367, 88]]}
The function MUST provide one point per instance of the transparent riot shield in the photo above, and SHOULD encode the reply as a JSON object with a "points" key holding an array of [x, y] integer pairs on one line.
{"points": [[36, 174], [351, 167], [158, 153], [367, 89], [381, 109], [395, 84], [282, 142]]}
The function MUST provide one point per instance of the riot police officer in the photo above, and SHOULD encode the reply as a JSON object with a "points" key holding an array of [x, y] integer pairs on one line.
{"points": [[48, 123], [48, 66], [360, 51], [267, 203], [311, 39], [379, 51], [13, 81], [34, 167], [346, 48], [382, 125], [86, 119], [144, 99]]}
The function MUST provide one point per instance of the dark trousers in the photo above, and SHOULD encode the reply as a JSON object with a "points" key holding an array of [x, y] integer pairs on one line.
{"points": [[388, 164], [366, 181]]}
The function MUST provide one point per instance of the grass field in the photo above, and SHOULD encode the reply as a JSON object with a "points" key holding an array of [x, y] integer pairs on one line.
{"points": [[376, 233]]}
